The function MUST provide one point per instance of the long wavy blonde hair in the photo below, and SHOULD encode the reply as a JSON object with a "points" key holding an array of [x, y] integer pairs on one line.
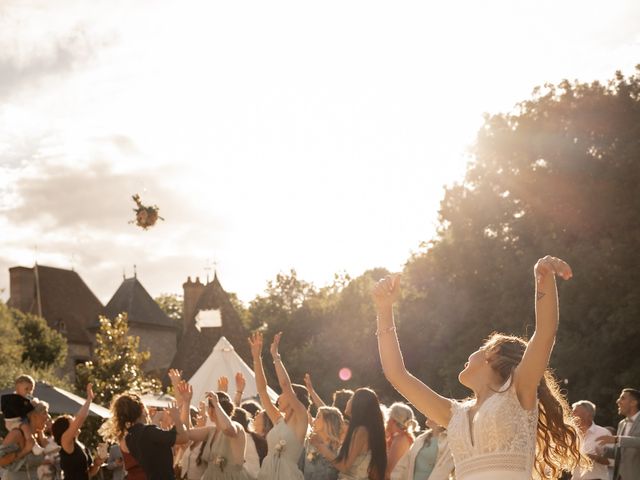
{"points": [[333, 422], [557, 438]]}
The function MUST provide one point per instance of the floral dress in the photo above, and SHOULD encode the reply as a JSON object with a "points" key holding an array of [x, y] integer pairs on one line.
{"points": [[221, 462], [281, 463], [316, 467]]}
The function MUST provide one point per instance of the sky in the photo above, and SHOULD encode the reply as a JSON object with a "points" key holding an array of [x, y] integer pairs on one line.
{"points": [[315, 136]]}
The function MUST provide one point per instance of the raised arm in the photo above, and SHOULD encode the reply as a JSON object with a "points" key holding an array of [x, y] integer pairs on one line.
{"points": [[434, 406], [285, 381], [300, 417], [223, 422], [182, 435], [528, 374], [223, 384], [184, 394], [283, 377], [315, 398], [81, 415], [240, 386], [255, 342]]}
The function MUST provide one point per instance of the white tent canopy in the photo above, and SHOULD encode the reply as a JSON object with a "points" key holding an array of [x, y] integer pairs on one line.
{"points": [[224, 361]]}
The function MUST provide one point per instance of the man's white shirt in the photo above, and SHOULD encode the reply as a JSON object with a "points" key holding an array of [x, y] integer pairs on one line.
{"points": [[589, 446], [629, 424]]}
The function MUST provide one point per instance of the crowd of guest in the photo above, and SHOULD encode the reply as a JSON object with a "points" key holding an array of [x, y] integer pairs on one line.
{"points": [[294, 437]]}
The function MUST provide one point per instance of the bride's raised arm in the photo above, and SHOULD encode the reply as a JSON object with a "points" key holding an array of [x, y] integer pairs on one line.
{"points": [[431, 404]]}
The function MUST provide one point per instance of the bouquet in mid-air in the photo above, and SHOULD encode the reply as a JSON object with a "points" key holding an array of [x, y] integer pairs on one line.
{"points": [[146, 216]]}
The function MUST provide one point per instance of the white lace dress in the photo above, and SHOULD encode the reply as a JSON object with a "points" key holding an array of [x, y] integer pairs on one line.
{"points": [[499, 443]]}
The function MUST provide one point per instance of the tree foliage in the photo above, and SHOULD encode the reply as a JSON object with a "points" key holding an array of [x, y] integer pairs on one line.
{"points": [[559, 175], [117, 363], [13, 348], [43, 346]]}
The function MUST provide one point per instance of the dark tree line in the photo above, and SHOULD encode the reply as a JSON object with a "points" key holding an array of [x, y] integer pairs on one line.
{"points": [[559, 175]]}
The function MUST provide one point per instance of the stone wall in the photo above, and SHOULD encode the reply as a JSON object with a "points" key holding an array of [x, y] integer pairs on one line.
{"points": [[160, 342], [76, 353]]}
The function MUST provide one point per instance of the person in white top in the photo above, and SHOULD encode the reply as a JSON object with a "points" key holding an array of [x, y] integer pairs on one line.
{"points": [[517, 420], [585, 411]]}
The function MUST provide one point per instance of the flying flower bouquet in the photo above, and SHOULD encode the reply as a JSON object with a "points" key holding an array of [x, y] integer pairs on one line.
{"points": [[146, 216]]}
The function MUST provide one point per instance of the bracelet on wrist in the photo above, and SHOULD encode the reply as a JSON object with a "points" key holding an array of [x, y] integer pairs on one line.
{"points": [[384, 331]]}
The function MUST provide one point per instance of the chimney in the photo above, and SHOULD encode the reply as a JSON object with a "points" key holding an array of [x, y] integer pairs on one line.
{"points": [[22, 289], [192, 292]]}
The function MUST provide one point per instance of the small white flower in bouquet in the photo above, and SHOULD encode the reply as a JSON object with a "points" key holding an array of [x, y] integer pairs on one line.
{"points": [[280, 447], [220, 462]]}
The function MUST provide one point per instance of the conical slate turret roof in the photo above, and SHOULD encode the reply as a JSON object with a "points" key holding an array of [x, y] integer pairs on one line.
{"points": [[132, 298]]}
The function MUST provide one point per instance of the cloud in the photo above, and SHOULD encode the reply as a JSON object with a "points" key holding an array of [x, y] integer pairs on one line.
{"points": [[78, 216], [37, 44], [96, 197]]}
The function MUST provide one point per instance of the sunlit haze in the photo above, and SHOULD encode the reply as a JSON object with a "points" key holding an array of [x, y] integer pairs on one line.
{"points": [[274, 135]]}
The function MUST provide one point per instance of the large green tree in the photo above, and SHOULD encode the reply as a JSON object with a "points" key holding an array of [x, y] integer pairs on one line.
{"points": [[13, 349], [117, 363], [558, 175], [43, 346]]}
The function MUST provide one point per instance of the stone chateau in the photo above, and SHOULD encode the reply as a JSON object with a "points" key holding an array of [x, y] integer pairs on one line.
{"points": [[69, 306]]}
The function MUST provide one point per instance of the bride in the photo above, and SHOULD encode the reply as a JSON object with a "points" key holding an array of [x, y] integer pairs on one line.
{"points": [[517, 421]]}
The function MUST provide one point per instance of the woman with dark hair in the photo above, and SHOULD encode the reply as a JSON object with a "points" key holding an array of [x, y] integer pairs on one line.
{"points": [[517, 420], [255, 443], [192, 465], [290, 418], [262, 424], [75, 459], [363, 455], [224, 444]]}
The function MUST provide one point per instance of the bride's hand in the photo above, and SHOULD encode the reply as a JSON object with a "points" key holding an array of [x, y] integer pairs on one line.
{"points": [[386, 291], [552, 265]]}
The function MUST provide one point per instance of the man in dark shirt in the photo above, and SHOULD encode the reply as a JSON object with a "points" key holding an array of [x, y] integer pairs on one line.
{"points": [[151, 446]]}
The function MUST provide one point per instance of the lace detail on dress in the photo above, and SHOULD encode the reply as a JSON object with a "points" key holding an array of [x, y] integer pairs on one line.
{"points": [[501, 437]]}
